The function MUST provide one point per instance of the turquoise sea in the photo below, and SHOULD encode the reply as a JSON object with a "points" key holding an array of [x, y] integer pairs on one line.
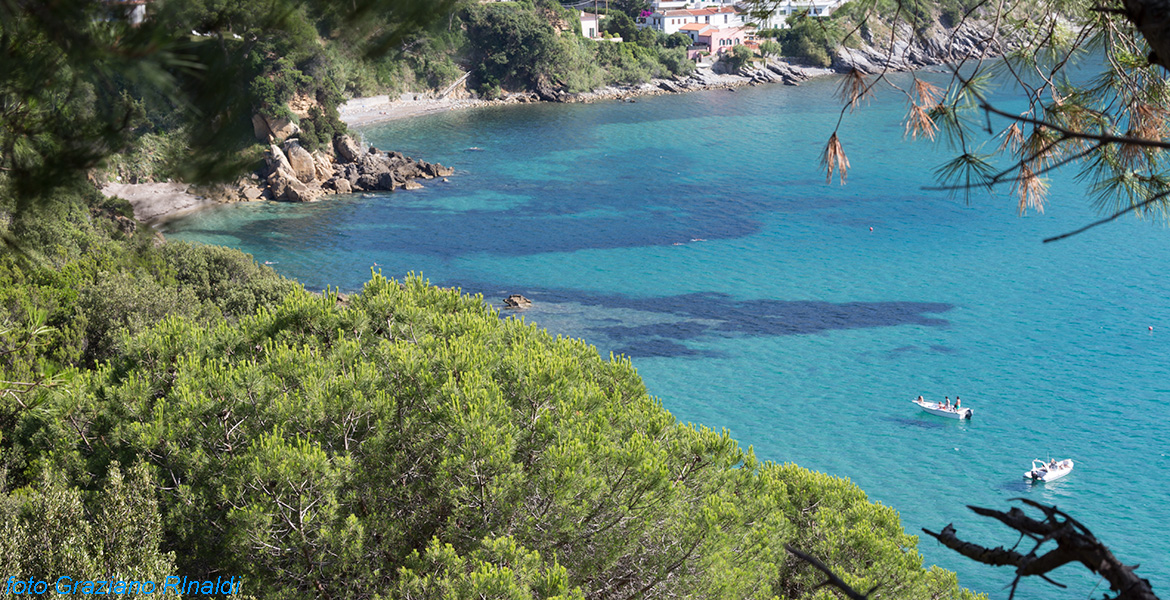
{"points": [[696, 234]]}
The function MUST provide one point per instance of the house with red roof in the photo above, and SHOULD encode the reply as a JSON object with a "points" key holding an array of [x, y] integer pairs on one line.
{"points": [[672, 21]]}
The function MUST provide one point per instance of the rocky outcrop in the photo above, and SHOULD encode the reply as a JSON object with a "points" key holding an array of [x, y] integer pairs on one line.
{"points": [[303, 165], [273, 130], [295, 175], [346, 149], [517, 301]]}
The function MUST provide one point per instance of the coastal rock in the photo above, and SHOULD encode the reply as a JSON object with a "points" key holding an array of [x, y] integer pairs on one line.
{"points": [[284, 185], [788, 74], [295, 175], [517, 301], [279, 182], [324, 165], [299, 192], [408, 170], [339, 185], [346, 148], [387, 181], [273, 130], [367, 183], [302, 162], [282, 128], [260, 128], [432, 170], [276, 159], [251, 192]]}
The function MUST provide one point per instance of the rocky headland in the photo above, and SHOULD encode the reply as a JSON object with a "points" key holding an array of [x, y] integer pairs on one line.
{"points": [[296, 175], [290, 174]]}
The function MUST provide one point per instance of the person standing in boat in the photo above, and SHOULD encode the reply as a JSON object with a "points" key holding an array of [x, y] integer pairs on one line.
{"points": [[958, 403], [948, 405]]}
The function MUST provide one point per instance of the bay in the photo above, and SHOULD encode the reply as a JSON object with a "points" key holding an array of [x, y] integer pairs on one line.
{"points": [[696, 234]]}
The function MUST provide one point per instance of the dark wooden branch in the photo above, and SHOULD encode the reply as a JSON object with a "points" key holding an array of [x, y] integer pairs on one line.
{"points": [[1111, 217], [1074, 543], [832, 580], [996, 557]]}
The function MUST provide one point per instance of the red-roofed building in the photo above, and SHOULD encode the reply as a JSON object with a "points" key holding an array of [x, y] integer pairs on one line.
{"points": [[672, 21]]}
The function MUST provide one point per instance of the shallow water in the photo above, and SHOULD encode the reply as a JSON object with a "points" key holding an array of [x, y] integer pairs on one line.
{"points": [[696, 234]]}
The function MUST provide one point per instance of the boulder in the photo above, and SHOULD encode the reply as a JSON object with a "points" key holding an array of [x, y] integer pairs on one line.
{"points": [[517, 301], [412, 185], [388, 181], [284, 185], [299, 192], [251, 192], [408, 170], [260, 128], [432, 170], [373, 164], [279, 182], [346, 148], [277, 160], [342, 186], [273, 130], [366, 182], [282, 128], [324, 165], [302, 162]]}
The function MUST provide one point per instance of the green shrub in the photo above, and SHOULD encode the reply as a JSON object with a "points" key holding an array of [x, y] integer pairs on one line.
{"points": [[409, 439], [737, 57]]}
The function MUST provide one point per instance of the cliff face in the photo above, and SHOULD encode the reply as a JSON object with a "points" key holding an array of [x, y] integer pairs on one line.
{"points": [[913, 50]]}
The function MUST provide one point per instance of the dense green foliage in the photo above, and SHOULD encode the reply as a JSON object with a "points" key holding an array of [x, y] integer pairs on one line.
{"points": [[408, 440], [516, 46], [95, 274], [811, 39], [51, 528]]}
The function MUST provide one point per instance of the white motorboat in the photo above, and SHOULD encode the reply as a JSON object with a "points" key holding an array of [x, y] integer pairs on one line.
{"points": [[1049, 471], [943, 410]]}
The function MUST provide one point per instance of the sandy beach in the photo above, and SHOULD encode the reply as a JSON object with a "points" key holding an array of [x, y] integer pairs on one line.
{"points": [[153, 202], [375, 109]]}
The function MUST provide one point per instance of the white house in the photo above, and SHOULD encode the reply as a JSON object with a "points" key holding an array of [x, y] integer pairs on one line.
{"points": [[590, 25], [661, 5], [672, 21]]}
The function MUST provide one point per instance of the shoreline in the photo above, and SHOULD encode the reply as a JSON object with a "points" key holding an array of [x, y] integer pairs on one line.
{"points": [[361, 112], [155, 204]]}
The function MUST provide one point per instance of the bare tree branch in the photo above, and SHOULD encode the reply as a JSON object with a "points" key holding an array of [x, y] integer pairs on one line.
{"points": [[833, 579], [1074, 543]]}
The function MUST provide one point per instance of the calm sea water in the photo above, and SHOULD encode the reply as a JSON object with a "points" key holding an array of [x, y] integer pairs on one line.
{"points": [[696, 234]]}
